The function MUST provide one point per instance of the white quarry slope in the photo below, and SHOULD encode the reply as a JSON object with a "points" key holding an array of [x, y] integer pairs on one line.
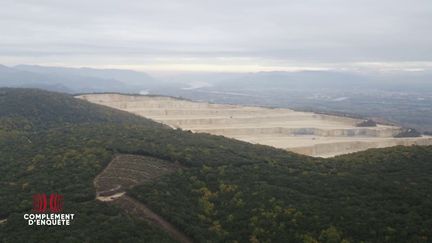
{"points": [[302, 132]]}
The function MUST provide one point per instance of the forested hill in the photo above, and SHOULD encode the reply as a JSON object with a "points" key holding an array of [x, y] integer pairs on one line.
{"points": [[228, 190], [51, 142], [33, 109]]}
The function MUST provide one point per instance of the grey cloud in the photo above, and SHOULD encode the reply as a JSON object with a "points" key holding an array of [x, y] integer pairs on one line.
{"points": [[268, 30]]}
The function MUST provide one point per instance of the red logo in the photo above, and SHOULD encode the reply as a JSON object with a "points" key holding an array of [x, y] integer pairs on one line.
{"points": [[40, 203]]}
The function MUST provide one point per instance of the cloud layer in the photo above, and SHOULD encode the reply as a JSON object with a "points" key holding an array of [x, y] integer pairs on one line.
{"points": [[210, 34]]}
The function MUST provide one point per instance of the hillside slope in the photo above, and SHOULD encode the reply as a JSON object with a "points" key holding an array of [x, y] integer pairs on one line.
{"points": [[381, 195], [52, 142], [228, 190]]}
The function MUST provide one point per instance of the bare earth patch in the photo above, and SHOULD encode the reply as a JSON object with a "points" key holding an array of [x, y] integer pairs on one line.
{"points": [[302, 132], [126, 171]]}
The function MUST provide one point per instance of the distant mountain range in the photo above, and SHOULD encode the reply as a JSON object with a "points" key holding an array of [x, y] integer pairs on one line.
{"points": [[74, 80], [80, 80]]}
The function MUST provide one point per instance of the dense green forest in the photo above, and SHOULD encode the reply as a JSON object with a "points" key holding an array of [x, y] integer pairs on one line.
{"points": [[375, 196], [228, 191], [40, 152]]}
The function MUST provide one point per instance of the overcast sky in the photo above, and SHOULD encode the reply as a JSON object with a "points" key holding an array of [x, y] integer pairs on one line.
{"points": [[218, 35]]}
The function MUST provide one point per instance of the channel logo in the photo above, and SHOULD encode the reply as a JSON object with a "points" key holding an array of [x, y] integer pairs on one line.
{"points": [[53, 204], [40, 203]]}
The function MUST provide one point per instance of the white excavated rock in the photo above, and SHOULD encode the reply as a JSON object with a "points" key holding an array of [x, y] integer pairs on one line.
{"points": [[302, 132]]}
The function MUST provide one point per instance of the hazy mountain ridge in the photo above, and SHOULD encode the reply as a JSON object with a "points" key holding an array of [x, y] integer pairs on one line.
{"points": [[74, 80], [126, 76]]}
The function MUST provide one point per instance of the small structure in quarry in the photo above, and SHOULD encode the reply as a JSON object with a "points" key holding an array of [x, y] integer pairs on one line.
{"points": [[302, 132]]}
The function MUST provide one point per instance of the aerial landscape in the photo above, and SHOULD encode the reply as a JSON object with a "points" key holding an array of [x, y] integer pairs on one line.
{"points": [[216, 121]]}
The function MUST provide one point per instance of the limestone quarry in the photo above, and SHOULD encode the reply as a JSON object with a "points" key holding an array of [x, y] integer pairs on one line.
{"points": [[301, 132]]}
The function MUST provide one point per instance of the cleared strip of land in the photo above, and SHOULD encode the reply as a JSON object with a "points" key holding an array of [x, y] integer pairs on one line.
{"points": [[126, 171], [302, 132]]}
